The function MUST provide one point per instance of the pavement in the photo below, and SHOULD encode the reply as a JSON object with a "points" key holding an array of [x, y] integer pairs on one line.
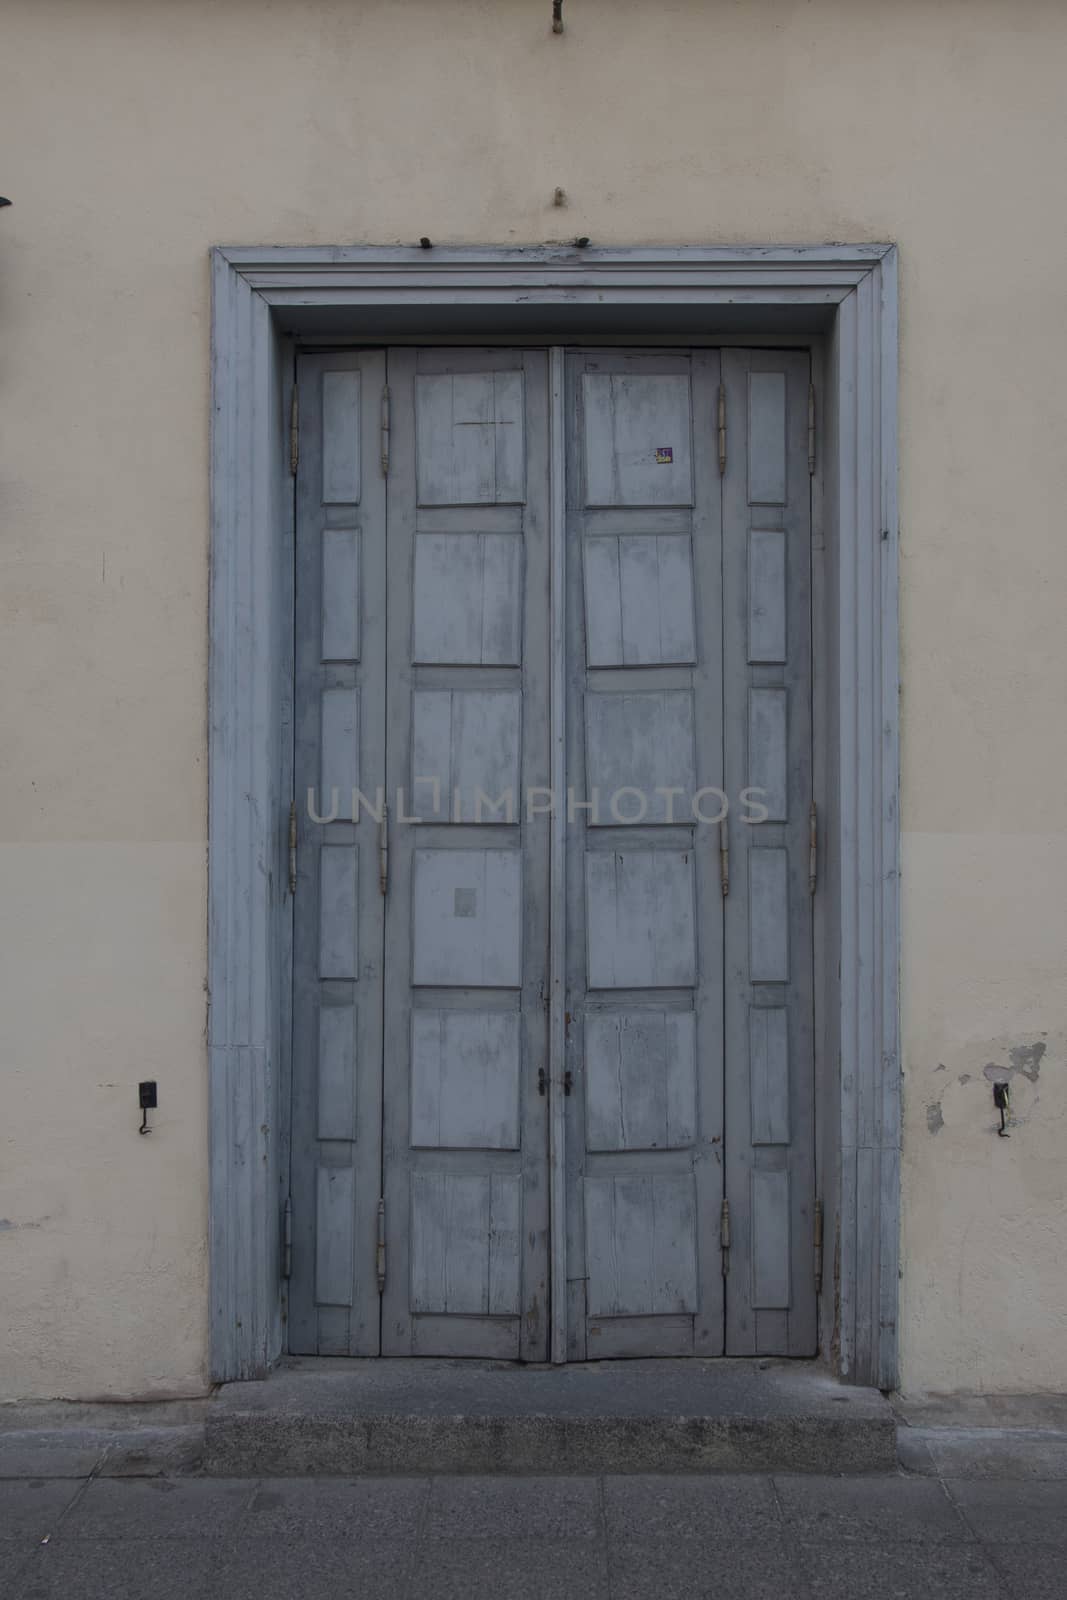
{"points": [[748, 1536], [127, 1502]]}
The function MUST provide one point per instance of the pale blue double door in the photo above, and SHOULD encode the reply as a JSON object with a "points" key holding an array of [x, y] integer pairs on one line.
{"points": [[428, 645]]}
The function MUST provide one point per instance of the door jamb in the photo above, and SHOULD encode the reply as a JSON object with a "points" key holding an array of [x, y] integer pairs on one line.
{"points": [[263, 295]]}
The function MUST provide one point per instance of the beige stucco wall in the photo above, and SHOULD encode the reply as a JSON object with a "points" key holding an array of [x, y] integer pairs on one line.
{"points": [[134, 136]]}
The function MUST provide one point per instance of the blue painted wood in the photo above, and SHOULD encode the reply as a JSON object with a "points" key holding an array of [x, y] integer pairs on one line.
{"points": [[466, 1128], [644, 907], [250, 487], [770, 1076], [339, 924]]}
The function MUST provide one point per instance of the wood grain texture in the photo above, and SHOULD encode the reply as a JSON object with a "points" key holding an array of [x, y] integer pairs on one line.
{"points": [[341, 429], [638, 594], [471, 438], [640, 1080], [638, 432], [465, 1076], [468, 599]]}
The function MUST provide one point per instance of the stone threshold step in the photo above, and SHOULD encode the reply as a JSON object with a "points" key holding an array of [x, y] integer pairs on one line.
{"points": [[430, 1416]]}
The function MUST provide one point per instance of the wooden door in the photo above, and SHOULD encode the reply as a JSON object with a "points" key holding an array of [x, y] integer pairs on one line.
{"points": [[689, 1010], [645, 920], [338, 906], [424, 636], [465, 1154], [770, 1155]]}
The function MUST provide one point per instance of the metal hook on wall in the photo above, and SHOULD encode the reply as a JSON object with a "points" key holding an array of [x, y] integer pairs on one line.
{"points": [[1001, 1094]]}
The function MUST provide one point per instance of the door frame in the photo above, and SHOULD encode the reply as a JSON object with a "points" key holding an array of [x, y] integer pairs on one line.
{"points": [[844, 299]]}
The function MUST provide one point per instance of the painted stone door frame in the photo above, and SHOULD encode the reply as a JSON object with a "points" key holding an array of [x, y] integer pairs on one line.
{"points": [[262, 299]]}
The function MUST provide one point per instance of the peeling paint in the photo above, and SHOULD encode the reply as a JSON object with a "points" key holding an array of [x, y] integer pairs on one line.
{"points": [[1025, 1062], [934, 1119], [1026, 1058], [964, 1077]]}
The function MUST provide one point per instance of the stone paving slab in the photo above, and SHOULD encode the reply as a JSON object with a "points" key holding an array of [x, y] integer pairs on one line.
{"points": [[518, 1569], [512, 1508], [895, 1509], [104, 1569], [307, 1508], [1010, 1511], [753, 1565], [32, 1509], [652, 1537], [717, 1505], [855, 1570], [150, 1509], [76, 1450], [1031, 1572]]}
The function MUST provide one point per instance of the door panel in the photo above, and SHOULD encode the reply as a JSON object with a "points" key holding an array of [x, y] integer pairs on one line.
{"points": [[466, 1181], [644, 927], [338, 913], [770, 1294]]}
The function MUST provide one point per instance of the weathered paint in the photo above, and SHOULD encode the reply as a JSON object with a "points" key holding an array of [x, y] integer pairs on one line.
{"points": [[134, 140]]}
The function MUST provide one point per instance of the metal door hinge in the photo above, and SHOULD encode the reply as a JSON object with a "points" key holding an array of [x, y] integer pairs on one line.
{"points": [[818, 1246], [724, 858], [811, 427], [385, 431], [287, 1238], [292, 847], [383, 851], [724, 1236], [813, 848], [379, 1263], [294, 431], [722, 428]]}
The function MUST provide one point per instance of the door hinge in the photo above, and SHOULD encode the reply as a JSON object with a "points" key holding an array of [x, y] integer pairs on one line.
{"points": [[383, 851], [724, 858], [294, 431], [292, 847], [385, 431], [811, 427], [818, 1246], [813, 848], [287, 1238], [724, 1236], [722, 429], [380, 1257]]}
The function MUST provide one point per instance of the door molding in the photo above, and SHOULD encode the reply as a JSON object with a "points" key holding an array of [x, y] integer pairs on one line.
{"points": [[263, 298]]}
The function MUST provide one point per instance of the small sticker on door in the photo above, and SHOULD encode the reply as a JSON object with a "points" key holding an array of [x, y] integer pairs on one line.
{"points": [[465, 903], [664, 455]]}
